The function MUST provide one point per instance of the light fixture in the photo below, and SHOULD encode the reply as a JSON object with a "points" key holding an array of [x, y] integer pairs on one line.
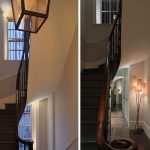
{"points": [[139, 91], [143, 89], [114, 16], [30, 15], [134, 82], [139, 85]]}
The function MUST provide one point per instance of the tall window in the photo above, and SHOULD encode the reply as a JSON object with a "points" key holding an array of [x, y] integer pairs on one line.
{"points": [[25, 124], [106, 11], [15, 42]]}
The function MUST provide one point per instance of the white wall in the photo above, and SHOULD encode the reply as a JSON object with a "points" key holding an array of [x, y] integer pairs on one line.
{"points": [[125, 97], [50, 47], [138, 71], [94, 36], [8, 68], [66, 102], [8, 73], [55, 119], [7, 100], [8, 86], [124, 73], [43, 124], [135, 31], [94, 31], [147, 97], [1, 36]]}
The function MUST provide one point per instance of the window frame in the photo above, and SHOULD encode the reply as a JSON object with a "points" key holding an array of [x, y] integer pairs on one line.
{"points": [[15, 45]]}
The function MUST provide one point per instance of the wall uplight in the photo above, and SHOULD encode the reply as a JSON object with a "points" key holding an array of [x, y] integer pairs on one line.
{"points": [[134, 82], [139, 85]]}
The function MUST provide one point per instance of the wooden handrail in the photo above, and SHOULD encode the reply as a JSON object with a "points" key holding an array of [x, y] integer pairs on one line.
{"points": [[112, 65]]}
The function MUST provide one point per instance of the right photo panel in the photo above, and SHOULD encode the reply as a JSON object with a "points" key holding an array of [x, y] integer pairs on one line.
{"points": [[115, 77]]}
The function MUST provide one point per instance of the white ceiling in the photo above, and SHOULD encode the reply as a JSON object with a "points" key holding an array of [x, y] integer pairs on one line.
{"points": [[50, 48], [135, 31], [5, 7]]}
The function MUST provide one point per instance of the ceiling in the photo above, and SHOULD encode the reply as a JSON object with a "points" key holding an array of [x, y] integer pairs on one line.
{"points": [[5, 7], [50, 49]]}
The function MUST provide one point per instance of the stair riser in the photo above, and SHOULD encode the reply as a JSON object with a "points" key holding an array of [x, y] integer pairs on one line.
{"points": [[94, 71], [88, 130], [89, 146], [7, 128], [92, 77], [10, 106], [89, 114], [7, 137], [7, 120], [8, 146], [90, 102], [8, 113], [98, 84], [90, 92]]}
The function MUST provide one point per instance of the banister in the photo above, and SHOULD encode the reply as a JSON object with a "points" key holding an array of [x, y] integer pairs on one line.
{"points": [[112, 65], [21, 90]]}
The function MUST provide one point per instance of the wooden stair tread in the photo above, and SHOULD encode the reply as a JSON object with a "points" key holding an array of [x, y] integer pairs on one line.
{"points": [[88, 122], [8, 142], [91, 87]]}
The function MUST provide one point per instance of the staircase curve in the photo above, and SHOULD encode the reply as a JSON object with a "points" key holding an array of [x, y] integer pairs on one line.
{"points": [[95, 107], [112, 65]]}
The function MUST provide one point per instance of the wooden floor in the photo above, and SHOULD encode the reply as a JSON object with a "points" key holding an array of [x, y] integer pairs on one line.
{"points": [[119, 129]]}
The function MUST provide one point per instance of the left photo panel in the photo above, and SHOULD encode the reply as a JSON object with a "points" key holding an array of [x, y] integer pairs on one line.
{"points": [[39, 75]]}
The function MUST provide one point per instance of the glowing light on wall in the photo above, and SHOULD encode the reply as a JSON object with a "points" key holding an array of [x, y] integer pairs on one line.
{"points": [[134, 82], [144, 89], [139, 85]]}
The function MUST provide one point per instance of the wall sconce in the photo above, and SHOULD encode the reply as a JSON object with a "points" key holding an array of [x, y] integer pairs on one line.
{"points": [[140, 91], [30, 15]]}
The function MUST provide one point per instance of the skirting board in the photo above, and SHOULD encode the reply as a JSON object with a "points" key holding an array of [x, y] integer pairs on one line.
{"points": [[147, 129], [145, 126], [132, 124], [74, 140]]}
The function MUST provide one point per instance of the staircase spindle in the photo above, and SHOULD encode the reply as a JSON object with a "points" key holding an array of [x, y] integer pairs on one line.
{"points": [[21, 90]]}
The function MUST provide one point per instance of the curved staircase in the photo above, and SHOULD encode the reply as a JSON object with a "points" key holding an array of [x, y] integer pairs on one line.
{"points": [[8, 127], [95, 94], [91, 83]]}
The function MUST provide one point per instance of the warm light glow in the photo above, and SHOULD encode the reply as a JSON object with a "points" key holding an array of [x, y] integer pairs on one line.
{"points": [[114, 16], [139, 85], [134, 82], [30, 15], [144, 89]]}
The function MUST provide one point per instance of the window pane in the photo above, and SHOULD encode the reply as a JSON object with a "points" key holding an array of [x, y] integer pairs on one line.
{"points": [[25, 124], [15, 42]]}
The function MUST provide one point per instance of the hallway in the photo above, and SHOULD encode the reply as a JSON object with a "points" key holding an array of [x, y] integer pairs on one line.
{"points": [[119, 129]]}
